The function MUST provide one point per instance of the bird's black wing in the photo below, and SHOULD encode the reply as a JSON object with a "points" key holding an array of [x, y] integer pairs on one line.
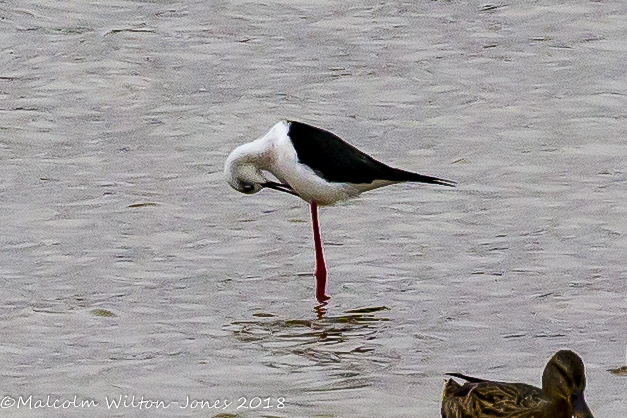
{"points": [[337, 161]]}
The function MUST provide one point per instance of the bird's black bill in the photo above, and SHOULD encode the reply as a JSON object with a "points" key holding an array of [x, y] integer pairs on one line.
{"points": [[280, 187]]}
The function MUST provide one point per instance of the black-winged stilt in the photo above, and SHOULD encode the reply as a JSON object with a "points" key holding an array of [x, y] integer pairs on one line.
{"points": [[315, 165]]}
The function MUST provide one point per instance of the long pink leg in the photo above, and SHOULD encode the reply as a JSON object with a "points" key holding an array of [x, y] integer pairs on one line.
{"points": [[321, 267]]}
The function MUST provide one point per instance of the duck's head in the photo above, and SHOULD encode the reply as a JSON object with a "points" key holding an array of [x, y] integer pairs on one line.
{"points": [[564, 378]]}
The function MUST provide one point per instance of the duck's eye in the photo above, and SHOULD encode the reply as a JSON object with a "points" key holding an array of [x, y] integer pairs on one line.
{"points": [[247, 187], [574, 398]]}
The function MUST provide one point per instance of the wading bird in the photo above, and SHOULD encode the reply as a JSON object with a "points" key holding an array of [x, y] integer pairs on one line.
{"points": [[561, 396], [315, 165]]}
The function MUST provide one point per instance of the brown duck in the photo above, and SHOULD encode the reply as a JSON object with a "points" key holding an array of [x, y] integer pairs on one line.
{"points": [[561, 396]]}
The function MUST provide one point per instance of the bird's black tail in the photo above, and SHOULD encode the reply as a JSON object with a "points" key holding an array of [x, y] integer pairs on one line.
{"points": [[401, 175]]}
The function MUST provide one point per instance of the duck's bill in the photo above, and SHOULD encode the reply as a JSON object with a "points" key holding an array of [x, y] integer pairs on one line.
{"points": [[279, 186], [580, 408]]}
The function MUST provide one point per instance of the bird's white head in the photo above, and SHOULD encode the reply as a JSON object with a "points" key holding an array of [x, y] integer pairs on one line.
{"points": [[243, 168]]}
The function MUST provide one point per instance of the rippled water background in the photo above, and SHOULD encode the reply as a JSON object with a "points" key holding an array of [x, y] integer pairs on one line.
{"points": [[129, 267]]}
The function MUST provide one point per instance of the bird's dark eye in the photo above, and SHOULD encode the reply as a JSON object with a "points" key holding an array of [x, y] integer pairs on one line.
{"points": [[247, 187], [573, 399]]}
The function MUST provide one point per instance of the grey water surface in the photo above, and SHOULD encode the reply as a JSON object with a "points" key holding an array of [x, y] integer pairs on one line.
{"points": [[129, 268]]}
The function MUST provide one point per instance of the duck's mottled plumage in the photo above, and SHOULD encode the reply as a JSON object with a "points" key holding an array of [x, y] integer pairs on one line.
{"points": [[561, 396]]}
